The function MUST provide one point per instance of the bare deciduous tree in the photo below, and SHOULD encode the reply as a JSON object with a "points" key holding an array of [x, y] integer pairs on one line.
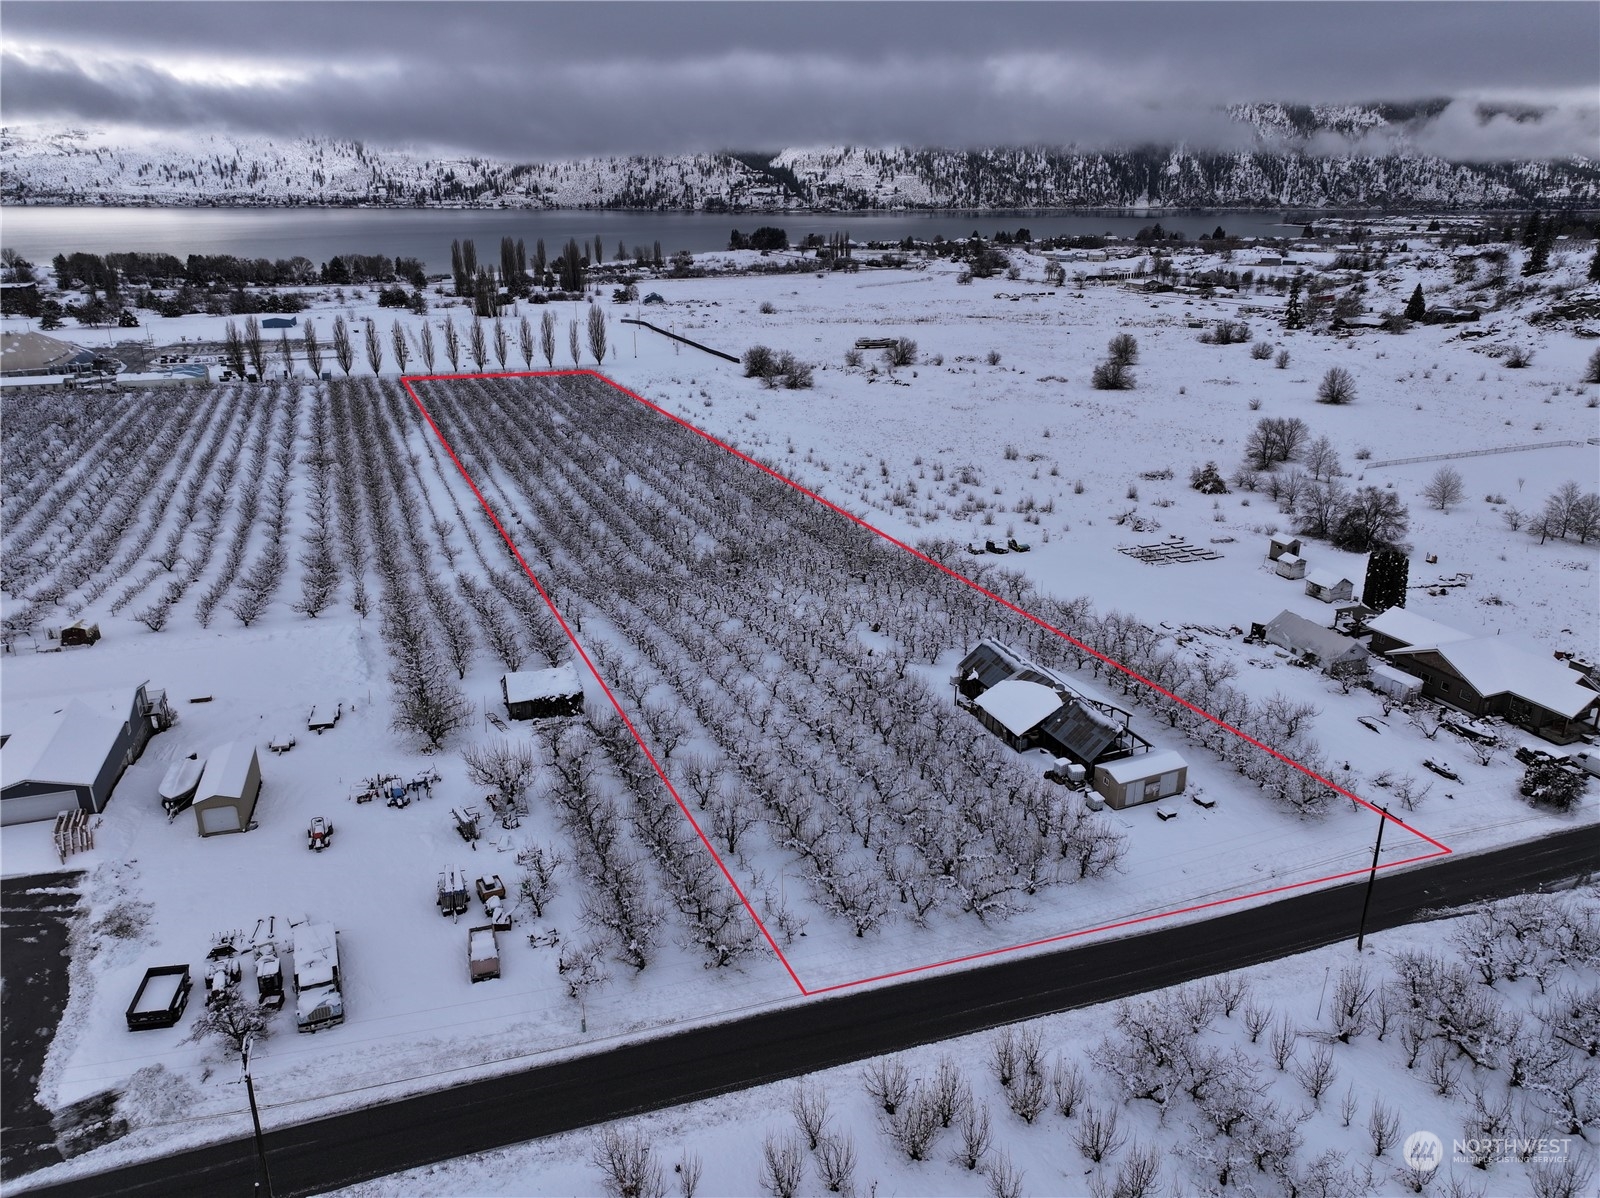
{"points": [[525, 342], [809, 1104], [1337, 387], [1097, 1134], [627, 1164], [1445, 489], [344, 350], [574, 344], [887, 1082], [783, 1166], [975, 1136], [313, 348], [452, 344], [502, 342], [505, 767], [402, 347], [836, 1163], [478, 344], [539, 884], [231, 1022], [547, 337], [425, 340], [597, 333]]}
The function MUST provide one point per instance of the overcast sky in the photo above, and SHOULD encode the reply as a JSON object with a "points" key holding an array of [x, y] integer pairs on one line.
{"points": [[545, 80]]}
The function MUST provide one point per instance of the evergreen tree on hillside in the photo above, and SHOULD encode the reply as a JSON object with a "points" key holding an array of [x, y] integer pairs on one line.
{"points": [[1539, 256], [1416, 307], [1388, 572], [1531, 231], [1294, 316], [1594, 266]]}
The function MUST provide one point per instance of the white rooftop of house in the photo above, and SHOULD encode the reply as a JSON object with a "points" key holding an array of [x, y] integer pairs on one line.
{"points": [[1413, 629], [529, 685], [69, 746], [1144, 765], [1326, 578], [1494, 666], [227, 770], [1019, 705]]}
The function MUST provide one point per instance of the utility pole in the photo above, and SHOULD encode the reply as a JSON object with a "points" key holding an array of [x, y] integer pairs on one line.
{"points": [[1372, 876], [265, 1184]]}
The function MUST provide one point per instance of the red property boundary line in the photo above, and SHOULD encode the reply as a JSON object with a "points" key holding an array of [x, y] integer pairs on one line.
{"points": [[406, 381]]}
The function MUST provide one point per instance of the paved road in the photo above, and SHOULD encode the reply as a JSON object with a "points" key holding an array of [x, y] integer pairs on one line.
{"points": [[768, 1047], [34, 917]]}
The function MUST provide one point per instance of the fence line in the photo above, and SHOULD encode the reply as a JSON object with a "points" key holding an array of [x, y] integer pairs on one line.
{"points": [[658, 329], [1476, 453]]}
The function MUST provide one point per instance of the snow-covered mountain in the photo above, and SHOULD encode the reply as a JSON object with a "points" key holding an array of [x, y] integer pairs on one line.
{"points": [[1297, 156]]}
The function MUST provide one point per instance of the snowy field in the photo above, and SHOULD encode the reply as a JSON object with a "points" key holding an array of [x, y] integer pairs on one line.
{"points": [[954, 446]]}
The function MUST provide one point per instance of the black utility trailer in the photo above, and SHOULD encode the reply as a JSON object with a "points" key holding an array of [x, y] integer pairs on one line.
{"points": [[160, 999]]}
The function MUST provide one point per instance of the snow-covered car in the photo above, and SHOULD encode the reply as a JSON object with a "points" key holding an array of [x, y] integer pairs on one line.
{"points": [[1588, 760]]}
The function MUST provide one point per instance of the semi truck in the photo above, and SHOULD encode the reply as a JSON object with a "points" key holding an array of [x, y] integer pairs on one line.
{"points": [[319, 1002]]}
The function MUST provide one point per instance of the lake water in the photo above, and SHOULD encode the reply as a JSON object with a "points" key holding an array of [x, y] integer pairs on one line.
{"points": [[38, 234]]}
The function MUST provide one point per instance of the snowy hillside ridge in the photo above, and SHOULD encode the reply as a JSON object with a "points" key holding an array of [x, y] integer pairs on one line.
{"points": [[1327, 156]]}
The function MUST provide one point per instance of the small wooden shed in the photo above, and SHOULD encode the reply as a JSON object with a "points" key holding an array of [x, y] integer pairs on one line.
{"points": [[1290, 565], [1142, 778], [1329, 586], [537, 694], [225, 800], [1278, 546]]}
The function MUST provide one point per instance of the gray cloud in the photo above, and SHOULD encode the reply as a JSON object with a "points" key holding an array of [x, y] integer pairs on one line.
{"points": [[558, 80]]}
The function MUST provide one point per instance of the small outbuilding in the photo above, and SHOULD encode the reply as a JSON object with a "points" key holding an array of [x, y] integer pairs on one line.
{"points": [[1278, 546], [1290, 565], [1328, 586], [1333, 654], [225, 799], [538, 694], [1142, 778]]}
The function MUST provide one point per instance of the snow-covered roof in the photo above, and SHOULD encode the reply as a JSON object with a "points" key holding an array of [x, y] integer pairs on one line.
{"points": [[1305, 635], [182, 777], [481, 945], [69, 746], [530, 685], [1144, 765], [1399, 624], [1019, 705], [1492, 666], [1326, 579], [316, 954], [1397, 678], [227, 771], [1290, 559]]}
